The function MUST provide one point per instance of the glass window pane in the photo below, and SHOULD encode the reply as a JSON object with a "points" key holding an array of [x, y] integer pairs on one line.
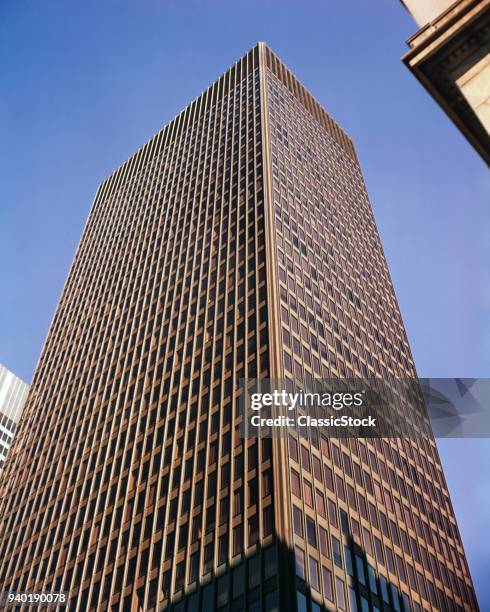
{"points": [[337, 555], [353, 600], [301, 600], [314, 576], [272, 602], [361, 576], [340, 592], [327, 583], [348, 561], [299, 557]]}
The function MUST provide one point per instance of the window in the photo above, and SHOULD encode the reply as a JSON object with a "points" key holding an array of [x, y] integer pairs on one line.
{"points": [[327, 583], [237, 540], [293, 449], [267, 520], [340, 488], [320, 503], [314, 577], [353, 600], [340, 592], [298, 521], [253, 529], [344, 522], [239, 580], [222, 549], [349, 567], [271, 602], [305, 459], [253, 492], [266, 483], [378, 549], [396, 599], [368, 545], [328, 477], [299, 557], [308, 493], [337, 555], [317, 468], [270, 562], [373, 583], [254, 572], [208, 557], [336, 455], [295, 483], [311, 532], [421, 583], [301, 601], [384, 589], [332, 513], [323, 536], [237, 502]]}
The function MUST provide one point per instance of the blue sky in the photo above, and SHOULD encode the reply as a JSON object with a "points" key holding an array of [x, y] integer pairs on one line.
{"points": [[85, 84]]}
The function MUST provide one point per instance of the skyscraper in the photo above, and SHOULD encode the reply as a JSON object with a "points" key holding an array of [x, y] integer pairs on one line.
{"points": [[13, 392], [238, 242]]}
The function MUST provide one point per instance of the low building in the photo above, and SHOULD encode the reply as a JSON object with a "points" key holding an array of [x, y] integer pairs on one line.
{"points": [[450, 56], [13, 393]]}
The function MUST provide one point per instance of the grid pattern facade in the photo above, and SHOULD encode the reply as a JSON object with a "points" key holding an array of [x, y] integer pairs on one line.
{"points": [[133, 483], [237, 243], [372, 520]]}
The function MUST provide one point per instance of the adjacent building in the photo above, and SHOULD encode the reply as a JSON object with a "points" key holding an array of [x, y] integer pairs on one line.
{"points": [[239, 242], [450, 56], [13, 392]]}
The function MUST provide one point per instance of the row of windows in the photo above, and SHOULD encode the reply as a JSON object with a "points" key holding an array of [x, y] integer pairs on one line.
{"points": [[156, 470], [335, 323]]}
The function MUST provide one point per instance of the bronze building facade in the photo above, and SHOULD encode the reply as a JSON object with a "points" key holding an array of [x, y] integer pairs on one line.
{"points": [[238, 243]]}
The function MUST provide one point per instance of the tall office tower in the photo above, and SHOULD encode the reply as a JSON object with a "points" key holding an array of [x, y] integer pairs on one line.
{"points": [[13, 393], [238, 242]]}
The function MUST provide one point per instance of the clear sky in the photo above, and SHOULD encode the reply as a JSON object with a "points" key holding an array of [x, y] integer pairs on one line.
{"points": [[83, 85]]}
